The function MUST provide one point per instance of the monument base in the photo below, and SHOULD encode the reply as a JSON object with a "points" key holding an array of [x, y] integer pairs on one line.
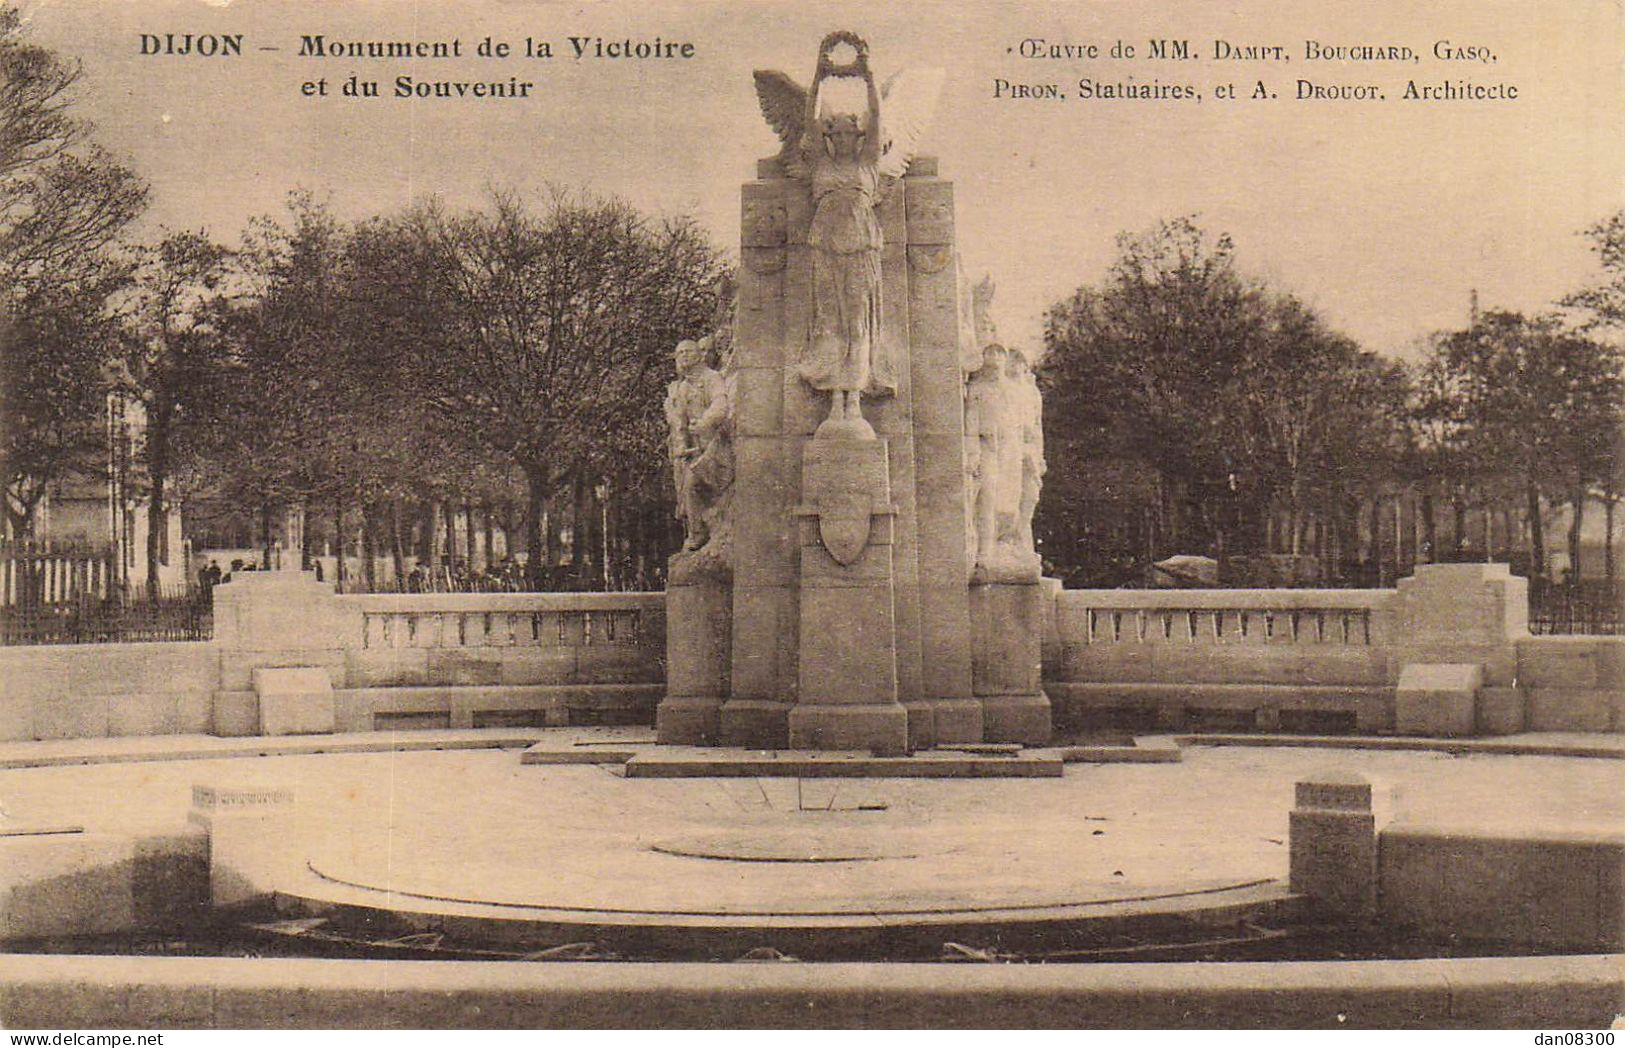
{"points": [[1016, 718], [958, 720], [756, 724], [688, 722], [882, 728]]}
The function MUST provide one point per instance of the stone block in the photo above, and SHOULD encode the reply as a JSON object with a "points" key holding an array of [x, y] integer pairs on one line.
{"points": [[70, 717], [1023, 718], [352, 711], [762, 625], [1559, 662], [764, 544], [957, 720], [237, 667], [294, 700], [170, 879], [281, 610], [1334, 792], [121, 669], [754, 724], [848, 651], [759, 401], [554, 665], [384, 667], [930, 211], [881, 727], [1500, 711], [688, 721], [615, 664], [1437, 699], [234, 714], [699, 637], [1572, 709], [1610, 662], [1006, 636], [462, 667], [63, 885], [946, 642], [252, 850], [1463, 604], [144, 714], [1333, 845]]}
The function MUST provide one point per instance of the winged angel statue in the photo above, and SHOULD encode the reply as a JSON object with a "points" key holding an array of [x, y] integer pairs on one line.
{"points": [[851, 161]]}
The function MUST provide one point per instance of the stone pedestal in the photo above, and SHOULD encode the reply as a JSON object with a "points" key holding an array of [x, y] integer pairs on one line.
{"points": [[1437, 699], [282, 611], [252, 851], [847, 694], [1007, 623], [1453, 621], [1333, 845], [699, 634]]}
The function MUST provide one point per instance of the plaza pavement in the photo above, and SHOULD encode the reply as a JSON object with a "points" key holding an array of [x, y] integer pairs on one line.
{"points": [[461, 823]]}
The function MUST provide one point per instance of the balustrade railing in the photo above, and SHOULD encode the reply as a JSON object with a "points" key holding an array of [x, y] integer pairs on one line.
{"points": [[1234, 617], [476, 620]]}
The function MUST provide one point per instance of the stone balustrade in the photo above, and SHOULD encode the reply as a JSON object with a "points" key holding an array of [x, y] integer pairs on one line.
{"points": [[1343, 617], [1305, 660], [501, 620]]}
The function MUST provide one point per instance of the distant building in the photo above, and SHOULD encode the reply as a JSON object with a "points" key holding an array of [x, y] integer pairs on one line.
{"points": [[100, 511]]}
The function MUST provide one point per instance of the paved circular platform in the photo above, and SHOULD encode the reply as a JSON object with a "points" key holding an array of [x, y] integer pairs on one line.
{"points": [[434, 838]]}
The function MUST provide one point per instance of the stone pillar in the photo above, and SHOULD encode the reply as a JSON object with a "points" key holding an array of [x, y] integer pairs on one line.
{"points": [[1008, 622], [251, 849], [847, 695], [945, 708], [1458, 616], [699, 633], [277, 620], [774, 288], [1333, 844]]}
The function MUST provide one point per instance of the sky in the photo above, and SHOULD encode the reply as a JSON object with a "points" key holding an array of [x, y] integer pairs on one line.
{"points": [[1383, 214]]}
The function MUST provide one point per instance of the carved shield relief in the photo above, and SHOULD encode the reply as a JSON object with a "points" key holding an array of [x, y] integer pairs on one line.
{"points": [[843, 524]]}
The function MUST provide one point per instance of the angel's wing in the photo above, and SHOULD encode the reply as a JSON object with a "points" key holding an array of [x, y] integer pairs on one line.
{"points": [[906, 103], [784, 104]]}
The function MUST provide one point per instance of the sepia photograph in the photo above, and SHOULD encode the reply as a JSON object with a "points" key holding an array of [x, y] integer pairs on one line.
{"points": [[737, 514]]}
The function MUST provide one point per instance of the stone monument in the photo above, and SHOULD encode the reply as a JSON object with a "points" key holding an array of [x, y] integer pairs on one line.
{"points": [[854, 602]]}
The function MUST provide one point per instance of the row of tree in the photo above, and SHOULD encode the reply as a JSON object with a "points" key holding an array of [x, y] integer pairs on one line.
{"points": [[1257, 421], [394, 371], [389, 373]]}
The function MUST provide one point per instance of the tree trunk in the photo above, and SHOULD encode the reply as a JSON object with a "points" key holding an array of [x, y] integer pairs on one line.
{"points": [[1376, 537], [431, 536], [490, 537], [535, 554], [306, 538], [265, 533], [1610, 500], [339, 574], [369, 555], [1537, 532], [1430, 529], [448, 511], [1458, 523], [1399, 536], [158, 475], [1577, 503], [397, 545], [581, 533]]}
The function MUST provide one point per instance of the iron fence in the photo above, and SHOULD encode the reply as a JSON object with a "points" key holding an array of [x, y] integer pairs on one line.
{"points": [[1594, 607], [178, 613]]}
